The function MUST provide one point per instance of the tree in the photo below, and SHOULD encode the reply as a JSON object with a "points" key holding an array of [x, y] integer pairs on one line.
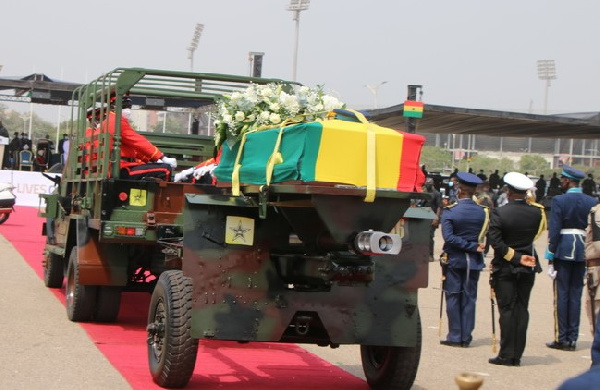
{"points": [[533, 164], [436, 159]]}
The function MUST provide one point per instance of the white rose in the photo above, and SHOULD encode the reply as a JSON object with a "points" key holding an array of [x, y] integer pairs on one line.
{"points": [[274, 107], [240, 116], [266, 91], [330, 102], [227, 118], [263, 116], [275, 118]]}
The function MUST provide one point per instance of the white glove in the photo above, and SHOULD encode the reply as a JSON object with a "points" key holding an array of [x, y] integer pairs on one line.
{"points": [[551, 271], [183, 175], [198, 173], [168, 160]]}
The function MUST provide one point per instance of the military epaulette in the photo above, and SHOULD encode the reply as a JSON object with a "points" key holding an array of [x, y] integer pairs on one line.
{"points": [[536, 205]]}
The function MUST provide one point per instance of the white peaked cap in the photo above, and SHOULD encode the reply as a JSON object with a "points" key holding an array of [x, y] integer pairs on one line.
{"points": [[518, 181]]}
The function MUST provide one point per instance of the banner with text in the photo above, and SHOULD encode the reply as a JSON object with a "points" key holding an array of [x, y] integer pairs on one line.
{"points": [[28, 185]]}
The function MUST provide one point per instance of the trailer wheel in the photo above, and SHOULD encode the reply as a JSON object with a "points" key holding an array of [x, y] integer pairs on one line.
{"points": [[108, 304], [81, 299], [53, 271], [171, 348], [391, 367]]}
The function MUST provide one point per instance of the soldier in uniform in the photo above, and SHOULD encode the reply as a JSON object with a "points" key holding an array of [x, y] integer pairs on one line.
{"points": [[463, 227], [566, 256], [592, 258], [513, 230]]}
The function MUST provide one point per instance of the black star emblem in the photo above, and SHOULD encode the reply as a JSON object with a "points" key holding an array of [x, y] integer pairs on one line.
{"points": [[239, 231]]}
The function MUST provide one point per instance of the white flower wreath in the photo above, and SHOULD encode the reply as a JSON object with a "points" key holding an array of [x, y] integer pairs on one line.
{"points": [[269, 105]]}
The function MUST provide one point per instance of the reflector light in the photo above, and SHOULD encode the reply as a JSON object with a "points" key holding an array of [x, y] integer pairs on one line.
{"points": [[130, 231], [123, 196]]}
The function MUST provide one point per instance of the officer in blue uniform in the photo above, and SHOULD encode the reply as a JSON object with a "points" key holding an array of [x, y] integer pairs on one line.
{"points": [[513, 229], [566, 256], [464, 225]]}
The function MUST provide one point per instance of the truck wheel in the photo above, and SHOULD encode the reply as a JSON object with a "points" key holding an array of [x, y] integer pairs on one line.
{"points": [[108, 303], [53, 271], [171, 348], [81, 300], [391, 367]]}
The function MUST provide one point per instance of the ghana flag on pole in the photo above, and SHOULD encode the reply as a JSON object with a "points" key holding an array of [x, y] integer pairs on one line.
{"points": [[413, 109]]}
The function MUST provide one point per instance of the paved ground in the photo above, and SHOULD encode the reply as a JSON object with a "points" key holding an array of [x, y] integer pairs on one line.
{"points": [[542, 368], [43, 350]]}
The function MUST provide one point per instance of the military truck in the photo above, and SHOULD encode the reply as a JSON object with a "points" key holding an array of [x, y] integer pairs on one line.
{"points": [[107, 235], [289, 262]]}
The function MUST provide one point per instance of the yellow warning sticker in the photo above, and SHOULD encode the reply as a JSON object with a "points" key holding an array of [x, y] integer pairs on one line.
{"points": [[239, 230], [137, 197]]}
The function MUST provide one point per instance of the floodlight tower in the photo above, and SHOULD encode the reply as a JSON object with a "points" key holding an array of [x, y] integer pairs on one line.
{"points": [[546, 71], [194, 44], [374, 90], [297, 6]]}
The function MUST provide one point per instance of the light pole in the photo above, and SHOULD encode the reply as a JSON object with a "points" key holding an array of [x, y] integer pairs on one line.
{"points": [[297, 6], [374, 90], [546, 71], [194, 44]]}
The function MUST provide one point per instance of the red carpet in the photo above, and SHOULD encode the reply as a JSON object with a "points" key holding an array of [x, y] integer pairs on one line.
{"points": [[219, 364]]}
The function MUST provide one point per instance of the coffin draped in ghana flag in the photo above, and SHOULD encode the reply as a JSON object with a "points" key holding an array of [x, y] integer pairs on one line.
{"points": [[340, 146]]}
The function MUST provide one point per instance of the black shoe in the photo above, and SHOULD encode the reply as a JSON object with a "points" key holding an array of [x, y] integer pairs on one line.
{"points": [[451, 343], [562, 345], [465, 344], [500, 361]]}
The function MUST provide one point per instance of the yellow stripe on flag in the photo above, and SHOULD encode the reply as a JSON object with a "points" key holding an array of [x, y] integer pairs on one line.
{"points": [[343, 159]]}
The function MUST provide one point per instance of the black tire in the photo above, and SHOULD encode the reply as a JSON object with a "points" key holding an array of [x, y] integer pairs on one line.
{"points": [[4, 217], [393, 368], [53, 271], [80, 299], [171, 348], [107, 304]]}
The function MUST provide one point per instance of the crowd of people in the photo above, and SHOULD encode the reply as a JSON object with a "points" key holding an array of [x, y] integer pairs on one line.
{"points": [[38, 157], [509, 220]]}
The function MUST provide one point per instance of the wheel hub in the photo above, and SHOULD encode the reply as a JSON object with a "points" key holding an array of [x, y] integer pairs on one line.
{"points": [[156, 331]]}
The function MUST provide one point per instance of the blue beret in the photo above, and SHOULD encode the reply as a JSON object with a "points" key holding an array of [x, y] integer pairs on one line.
{"points": [[468, 178], [572, 173]]}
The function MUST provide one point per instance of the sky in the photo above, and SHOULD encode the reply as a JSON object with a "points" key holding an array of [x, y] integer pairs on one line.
{"points": [[465, 53]]}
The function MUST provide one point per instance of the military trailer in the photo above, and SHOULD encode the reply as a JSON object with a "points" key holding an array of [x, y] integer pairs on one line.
{"points": [[107, 235], [295, 262]]}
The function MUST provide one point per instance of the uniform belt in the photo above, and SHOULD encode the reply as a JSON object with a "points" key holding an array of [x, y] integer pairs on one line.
{"points": [[593, 262], [572, 231]]}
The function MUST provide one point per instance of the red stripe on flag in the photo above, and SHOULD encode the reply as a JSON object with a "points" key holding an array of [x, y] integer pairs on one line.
{"points": [[409, 179], [413, 103]]}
